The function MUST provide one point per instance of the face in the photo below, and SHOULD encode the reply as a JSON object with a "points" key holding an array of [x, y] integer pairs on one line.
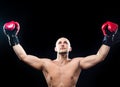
{"points": [[63, 45]]}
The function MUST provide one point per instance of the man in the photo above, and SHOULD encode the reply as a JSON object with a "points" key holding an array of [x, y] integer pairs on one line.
{"points": [[62, 71]]}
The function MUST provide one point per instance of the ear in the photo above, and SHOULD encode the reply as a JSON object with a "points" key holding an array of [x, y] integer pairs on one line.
{"points": [[70, 49], [55, 49]]}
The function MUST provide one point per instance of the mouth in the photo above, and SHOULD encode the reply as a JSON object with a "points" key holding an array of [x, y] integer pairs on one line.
{"points": [[62, 48]]}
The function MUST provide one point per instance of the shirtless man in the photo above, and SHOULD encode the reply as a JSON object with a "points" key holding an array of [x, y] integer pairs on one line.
{"points": [[62, 71]]}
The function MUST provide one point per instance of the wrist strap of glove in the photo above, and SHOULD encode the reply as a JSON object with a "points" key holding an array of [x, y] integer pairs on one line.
{"points": [[107, 40], [13, 40]]}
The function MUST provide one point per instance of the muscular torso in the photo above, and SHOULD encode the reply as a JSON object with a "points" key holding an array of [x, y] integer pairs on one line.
{"points": [[58, 75]]}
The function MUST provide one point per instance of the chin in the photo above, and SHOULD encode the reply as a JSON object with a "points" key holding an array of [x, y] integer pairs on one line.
{"points": [[63, 52]]}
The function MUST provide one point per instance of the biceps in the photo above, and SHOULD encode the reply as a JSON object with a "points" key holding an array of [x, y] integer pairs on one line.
{"points": [[33, 61], [89, 61]]}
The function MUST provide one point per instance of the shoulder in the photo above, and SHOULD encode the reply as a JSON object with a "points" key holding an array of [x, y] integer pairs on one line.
{"points": [[47, 62], [77, 58], [46, 59]]}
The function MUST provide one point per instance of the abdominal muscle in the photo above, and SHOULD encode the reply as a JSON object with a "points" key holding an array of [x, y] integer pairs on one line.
{"points": [[60, 81]]}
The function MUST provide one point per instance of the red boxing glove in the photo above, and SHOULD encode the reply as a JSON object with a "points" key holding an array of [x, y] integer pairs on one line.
{"points": [[110, 32], [11, 30], [10, 26], [109, 26]]}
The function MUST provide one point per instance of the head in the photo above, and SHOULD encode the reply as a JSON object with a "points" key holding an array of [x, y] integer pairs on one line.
{"points": [[63, 45]]}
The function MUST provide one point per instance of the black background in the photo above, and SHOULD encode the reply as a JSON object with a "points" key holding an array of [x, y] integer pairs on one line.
{"points": [[42, 23]]}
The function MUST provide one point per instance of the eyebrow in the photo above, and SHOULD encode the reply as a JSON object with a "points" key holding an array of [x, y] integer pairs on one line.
{"points": [[63, 41], [59, 42]]}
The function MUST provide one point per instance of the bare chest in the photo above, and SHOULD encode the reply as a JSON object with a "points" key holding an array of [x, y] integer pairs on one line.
{"points": [[67, 73]]}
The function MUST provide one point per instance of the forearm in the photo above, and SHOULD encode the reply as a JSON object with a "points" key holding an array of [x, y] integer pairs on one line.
{"points": [[103, 52], [20, 52]]}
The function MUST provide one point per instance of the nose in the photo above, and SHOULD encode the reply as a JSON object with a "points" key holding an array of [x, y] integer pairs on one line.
{"points": [[62, 45]]}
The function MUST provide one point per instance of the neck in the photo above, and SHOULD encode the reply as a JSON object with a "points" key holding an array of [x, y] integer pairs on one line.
{"points": [[62, 58]]}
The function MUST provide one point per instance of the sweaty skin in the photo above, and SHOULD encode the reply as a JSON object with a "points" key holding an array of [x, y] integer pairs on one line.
{"points": [[63, 71]]}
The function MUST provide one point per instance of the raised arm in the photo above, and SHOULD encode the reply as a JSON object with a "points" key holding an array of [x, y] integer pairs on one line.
{"points": [[111, 35], [94, 59], [11, 30], [29, 59]]}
